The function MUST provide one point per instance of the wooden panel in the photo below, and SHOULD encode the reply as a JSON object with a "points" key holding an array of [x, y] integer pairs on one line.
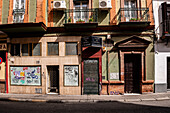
{"points": [[91, 76], [132, 73], [168, 73]]}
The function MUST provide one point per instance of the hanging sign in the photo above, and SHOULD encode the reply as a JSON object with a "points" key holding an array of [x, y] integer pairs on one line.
{"points": [[91, 41], [3, 46], [1, 60]]}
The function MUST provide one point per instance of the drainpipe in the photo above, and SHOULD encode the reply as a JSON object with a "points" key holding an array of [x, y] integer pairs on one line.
{"points": [[6, 72]]}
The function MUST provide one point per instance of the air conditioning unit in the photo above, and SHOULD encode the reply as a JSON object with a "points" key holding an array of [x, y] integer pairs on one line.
{"points": [[59, 5], [105, 4]]}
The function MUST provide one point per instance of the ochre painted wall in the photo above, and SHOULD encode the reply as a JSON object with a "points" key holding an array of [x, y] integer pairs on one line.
{"points": [[5, 11]]}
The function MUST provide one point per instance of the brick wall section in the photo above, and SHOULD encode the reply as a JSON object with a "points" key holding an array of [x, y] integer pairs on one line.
{"points": [[10, 16], [149, 5], [50, 14], [113, 15], [26, 16], [0, 11], [40, 14]]}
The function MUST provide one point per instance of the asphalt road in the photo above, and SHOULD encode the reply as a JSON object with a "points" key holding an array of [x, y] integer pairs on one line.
{"points": [[100, 107]]}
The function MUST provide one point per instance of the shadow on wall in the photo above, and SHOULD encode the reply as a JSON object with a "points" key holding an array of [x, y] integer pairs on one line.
{"points": [[102, 16], [58, 18]]}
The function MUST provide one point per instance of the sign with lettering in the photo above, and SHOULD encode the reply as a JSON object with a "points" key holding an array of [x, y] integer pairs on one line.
{"points": [[91, 41], [3, 46], [1, 60]]}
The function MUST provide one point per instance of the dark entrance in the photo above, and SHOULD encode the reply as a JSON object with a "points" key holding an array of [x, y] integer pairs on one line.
{"points": [[91, 76], [53, 72], [132, 73], [2, 71], [168, 73]]}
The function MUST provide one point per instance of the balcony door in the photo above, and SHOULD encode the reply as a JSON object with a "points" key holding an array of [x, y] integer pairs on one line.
{"points": [[130, 12], [18, 11], [80, 11]]}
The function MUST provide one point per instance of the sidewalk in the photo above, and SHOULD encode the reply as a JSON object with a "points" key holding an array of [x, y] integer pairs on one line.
{"points": [[52, 98]]}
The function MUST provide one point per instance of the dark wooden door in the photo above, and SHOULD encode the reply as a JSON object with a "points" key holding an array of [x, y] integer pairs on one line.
{"points": [[91, 76], [133, 71], [53, 72], [168, 73]]}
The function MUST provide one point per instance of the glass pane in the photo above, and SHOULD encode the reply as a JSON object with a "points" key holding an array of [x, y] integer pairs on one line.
{"points": [[71, 48], [36, 49], [25, 50], [52, 48], [15, 49]]}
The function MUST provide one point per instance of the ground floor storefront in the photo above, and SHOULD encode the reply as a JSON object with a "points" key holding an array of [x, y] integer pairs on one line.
{"points": [[77, 65]]}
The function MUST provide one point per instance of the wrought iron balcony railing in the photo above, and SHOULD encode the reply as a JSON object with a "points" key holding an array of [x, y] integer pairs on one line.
{"points": [[81, 15], [133, 15], [19, 11]]}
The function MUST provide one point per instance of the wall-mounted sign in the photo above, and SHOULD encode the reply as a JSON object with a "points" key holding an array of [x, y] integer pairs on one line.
{"points": [[91, 41], [1, 60], [3, 46]]}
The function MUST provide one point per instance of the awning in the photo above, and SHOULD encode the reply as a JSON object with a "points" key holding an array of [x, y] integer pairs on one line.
{"points": [[23, 28]]}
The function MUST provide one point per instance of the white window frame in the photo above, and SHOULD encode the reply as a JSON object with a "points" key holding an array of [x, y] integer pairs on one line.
{"points": [[18, 17], [81, 13]]}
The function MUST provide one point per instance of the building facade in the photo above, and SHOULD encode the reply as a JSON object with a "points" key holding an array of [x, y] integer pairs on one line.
{"points": [[76, 47], [162, 31]]}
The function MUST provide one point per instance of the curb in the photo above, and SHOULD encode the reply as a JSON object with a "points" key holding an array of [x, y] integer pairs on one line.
{"points": [[81, 100]]}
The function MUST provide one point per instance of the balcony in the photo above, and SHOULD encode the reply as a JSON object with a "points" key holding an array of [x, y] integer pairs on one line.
{"points": [[137, 17], [166, 29], [18, 15], [81, 18]]}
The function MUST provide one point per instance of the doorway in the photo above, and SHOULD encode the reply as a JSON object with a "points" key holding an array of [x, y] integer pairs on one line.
{"points": [[53, 74], [2, 71], [80, 11], [168, 73], [131, 13], [133, 73], [91, 76]]}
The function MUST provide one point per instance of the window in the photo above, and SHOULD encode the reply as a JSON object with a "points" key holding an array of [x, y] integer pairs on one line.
{"points": [[80, 12], [53, 48], [71, 48], [25, 50], [15, 49], [18, 11], [36, 49], [31, 49]]}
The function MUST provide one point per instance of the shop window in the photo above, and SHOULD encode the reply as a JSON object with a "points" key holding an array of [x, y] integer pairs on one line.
{"points": [[53, 48], [71, 75], [71, 48], [15, 49]]}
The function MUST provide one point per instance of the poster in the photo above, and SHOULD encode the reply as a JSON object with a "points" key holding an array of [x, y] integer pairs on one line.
{"points": [[25, 75], [71, 74]]}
